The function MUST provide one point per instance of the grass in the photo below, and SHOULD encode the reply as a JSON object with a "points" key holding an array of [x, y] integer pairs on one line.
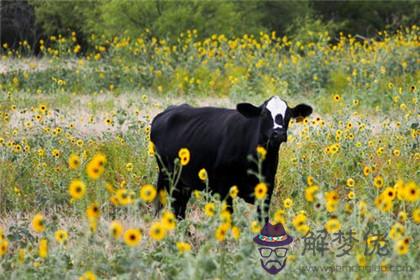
{"points": [[365, 119]]}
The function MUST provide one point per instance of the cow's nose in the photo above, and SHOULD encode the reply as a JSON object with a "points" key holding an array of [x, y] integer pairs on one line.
{"points": [[279, 134]]}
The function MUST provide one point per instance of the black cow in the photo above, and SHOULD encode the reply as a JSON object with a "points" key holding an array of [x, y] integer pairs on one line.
{"points": [[220, 141]]}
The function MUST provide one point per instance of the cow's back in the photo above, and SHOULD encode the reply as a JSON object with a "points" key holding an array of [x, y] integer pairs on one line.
{"points": [[215, 137], [186, 127]]}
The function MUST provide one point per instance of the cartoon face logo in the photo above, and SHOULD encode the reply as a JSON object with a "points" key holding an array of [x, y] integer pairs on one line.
{"points": [[273, 244]]}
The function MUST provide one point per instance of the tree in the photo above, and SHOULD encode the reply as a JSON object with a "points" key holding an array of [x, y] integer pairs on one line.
{"points": [[18, 23], [169, 18]]}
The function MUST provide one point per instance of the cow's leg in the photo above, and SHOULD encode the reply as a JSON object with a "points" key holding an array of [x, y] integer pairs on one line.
{"points": [[180, 200]]}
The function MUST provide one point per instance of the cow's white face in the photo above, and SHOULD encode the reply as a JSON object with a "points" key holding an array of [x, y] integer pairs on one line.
{"points": [[274, 116], [277, 108]]}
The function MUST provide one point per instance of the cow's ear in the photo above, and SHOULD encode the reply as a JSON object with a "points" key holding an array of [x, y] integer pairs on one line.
{"points": [[301, 111], [248, 110]]}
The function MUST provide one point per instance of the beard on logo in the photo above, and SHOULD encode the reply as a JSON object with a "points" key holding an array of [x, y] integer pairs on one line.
{"points": [[273, 266]]}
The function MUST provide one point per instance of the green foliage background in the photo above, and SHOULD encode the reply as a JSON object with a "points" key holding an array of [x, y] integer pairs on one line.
{"points": [[42, 18]]}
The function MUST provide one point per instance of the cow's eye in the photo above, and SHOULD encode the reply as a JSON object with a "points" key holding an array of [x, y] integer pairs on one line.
{"points": [[279, 119]]}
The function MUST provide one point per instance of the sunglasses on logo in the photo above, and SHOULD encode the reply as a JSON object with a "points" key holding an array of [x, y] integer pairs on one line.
{"points": [[266, 252]]}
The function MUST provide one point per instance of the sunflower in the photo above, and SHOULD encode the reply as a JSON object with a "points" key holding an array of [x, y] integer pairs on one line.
{"points": [[41, 152], [310, 180], [148, 193], [202, 174], [4, 246], [233, 192], [99, 159], [221, 231], [210, 209], [299, 220], [168, 220], [38, 223], [332, 225], [74, 161], [378, 182], [411, 193], [122, 197], [184, 156], [226, 216], [61, 236], [384, 266], [18, 148], [88, 275], [93, 211], [109, 188], [183, 247], [42, 108], [279, 217], [116, 229], [416, 215], [152, 149], [350, 182], [43, 248], [94, 170], [389, 193], [77, 189], [366, 170], [309, 193], [336, 98], [55, 153], [157, 231], [260, 191], [402, 216], [108, 121], [255, 227], [401, 247], [129, 167], [399, 189], [361, 260], [396, 152], [383, 204], [288, 203], [132, 237], [351, 195], [236, 232], [348, 208], [79, 142], [332, 196], [262, 152]]}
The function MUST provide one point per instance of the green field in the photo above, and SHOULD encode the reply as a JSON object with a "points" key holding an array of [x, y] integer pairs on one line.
{"points": [[71, 119]]}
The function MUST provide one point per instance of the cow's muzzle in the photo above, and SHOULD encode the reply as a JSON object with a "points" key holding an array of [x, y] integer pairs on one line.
{"points": [[279, 135]]}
